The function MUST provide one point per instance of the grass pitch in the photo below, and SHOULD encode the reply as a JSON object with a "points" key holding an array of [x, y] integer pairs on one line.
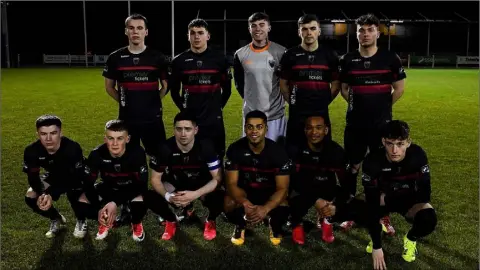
{"points": [[441, 107]]}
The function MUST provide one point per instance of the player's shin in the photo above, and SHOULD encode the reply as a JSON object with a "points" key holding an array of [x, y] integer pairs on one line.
{"points": [[51, 213], [138, 210], [278, 217], [424, 223]]}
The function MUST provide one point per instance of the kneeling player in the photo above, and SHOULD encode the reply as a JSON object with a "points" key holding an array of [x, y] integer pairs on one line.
{"points": [[257, 172], [62, 159], [124, 173], [191, 167], [397, 179], [316, 166]]}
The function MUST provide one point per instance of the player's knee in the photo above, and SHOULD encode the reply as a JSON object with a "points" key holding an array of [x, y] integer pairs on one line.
{"points": [[427, 220], [320, 203], [31, 202], [355, 168], [83, 199], [229, 204], [30, 193], [139, 198]]}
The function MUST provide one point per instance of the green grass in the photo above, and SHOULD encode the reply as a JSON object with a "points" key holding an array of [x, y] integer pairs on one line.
{"points": [[441, 107]]}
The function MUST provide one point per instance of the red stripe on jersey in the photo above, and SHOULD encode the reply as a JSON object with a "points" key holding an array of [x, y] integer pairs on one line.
{"points": [[34, 170], [186, 167], [407, 177], [196, 71], [117, 174], [310, 66], [316, 168], [140, 86], [372, 89], [313, 85], [379, 71], [253, 169], [138, 68], [202, 88]]}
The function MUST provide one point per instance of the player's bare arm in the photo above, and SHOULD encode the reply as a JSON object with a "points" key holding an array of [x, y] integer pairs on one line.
{"points": [[285, 90], [344, 90], [110, 88], [398, 88]]}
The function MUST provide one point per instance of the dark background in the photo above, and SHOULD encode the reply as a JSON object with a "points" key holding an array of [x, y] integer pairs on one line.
{"points": [[37, 28]]}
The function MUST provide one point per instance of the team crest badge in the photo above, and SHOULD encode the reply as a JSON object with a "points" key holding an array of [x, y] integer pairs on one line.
{"points": [[117, 167], [186, 159], [271, 62], [136, 60], [199, 64], [311, 58], [366, 64]]}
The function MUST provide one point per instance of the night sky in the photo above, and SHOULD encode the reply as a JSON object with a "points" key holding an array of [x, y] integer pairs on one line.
{"points": [[57, 27]]}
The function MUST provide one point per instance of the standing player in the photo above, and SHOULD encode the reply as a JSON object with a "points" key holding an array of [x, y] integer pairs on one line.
{"points": [[124, 172], [397, 179], [206, 84], [256, 79], [257, 176], [308, 79], [192, 170], [372, 81], [317, 164], [62, 159], [137, 71]]}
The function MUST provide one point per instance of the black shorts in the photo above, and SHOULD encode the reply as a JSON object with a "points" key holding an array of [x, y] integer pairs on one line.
{"points": [[359, 140], [73, 192], [296, 129], [326, 192], [400, 205], [151, 134], [216, 134], [259, 197], [108, 194]]}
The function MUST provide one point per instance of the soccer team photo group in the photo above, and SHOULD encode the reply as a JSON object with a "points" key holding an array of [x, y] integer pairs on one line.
{"points": [[286, 173]]}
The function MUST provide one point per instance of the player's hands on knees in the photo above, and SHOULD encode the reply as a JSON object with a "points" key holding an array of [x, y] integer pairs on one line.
{"points": [[249, 209], [44, 202], [328, 210], [184, 198], [258, 214], [107, 214], [378, 260]]}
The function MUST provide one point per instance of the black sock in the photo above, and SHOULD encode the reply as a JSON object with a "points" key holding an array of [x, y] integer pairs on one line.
{"points": [[278, 217], [214, 203], [138, 211], [383, 211], [424, 223], [237, 217], [159, 206], [51, 213], [86, 211]]}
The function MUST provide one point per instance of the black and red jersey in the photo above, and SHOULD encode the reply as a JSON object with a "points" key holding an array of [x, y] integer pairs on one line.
{"points": [[310, 75], [138, 79], [128, 172], [186, 171], [370, 82], [257, 172], [318, 169], [64, 167], [205, 82]]}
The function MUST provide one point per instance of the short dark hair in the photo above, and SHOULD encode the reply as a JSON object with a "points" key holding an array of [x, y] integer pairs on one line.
{"points": [[367, 19], [316, 114], [396, 130], [256, 114], [257, 16], [307, 18], [185, 115], [48, 120], [198, 23], [136, 16], [116, 125]]}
